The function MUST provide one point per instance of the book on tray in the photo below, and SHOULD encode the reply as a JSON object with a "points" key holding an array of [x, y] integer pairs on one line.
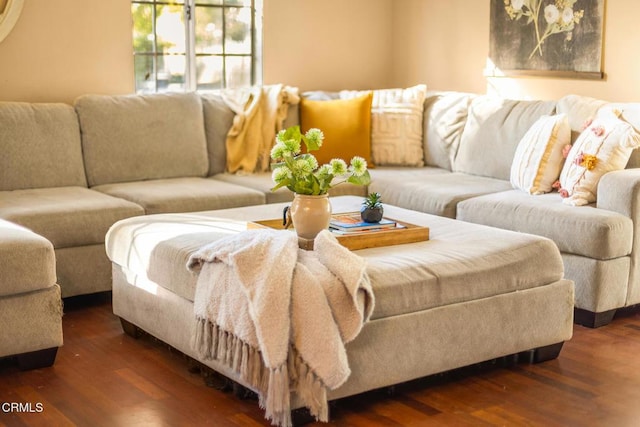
{"points": [[352, 222]]}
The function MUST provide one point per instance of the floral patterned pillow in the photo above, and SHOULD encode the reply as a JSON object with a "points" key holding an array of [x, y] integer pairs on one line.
{"points": [[605, 145]]}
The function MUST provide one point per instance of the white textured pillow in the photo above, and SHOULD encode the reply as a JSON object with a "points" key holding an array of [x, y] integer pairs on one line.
{"points": [[396, 125], [538, 159], [604, 146]]}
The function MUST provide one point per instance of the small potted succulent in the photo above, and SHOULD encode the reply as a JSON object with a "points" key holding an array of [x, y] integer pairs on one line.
{"points": [[372, 210]]}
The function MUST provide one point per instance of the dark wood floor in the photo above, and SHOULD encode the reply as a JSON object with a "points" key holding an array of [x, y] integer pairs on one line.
{"points": [[105, 378]]}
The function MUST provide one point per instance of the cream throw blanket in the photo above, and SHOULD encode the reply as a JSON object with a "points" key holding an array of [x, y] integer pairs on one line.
{"points": [[279, 316], [260, 113]]}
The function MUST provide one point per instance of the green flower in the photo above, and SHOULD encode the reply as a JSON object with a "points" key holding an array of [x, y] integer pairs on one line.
{"points": [[324, 171], [304, 166], [338, 166], [278, 150], [358, 166], [314, 138], [280, 174], [291, 146]]}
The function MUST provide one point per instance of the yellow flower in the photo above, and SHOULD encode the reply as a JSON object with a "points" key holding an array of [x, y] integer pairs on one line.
{"points": [[589, 161]]}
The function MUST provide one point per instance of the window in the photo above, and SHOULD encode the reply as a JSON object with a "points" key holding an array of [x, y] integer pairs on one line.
{"points": [[187, 45]]}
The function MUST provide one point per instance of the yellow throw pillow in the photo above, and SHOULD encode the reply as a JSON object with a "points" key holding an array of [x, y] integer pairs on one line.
{"points": [[346, 124]]}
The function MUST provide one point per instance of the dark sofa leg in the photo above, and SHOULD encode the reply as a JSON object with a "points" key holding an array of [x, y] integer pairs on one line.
{"points": [[302, 416], [37, 359], [548, 352], [541, 354], [591, 319], [130, 329]]}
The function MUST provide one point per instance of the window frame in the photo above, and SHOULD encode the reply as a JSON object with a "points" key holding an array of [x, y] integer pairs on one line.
{"points": [[188, 14]]}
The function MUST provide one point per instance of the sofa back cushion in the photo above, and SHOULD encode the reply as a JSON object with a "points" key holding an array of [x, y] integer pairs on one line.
{"points": [[492, 132], [218, 119], [138, 137], [39, 146], [445, 114]]}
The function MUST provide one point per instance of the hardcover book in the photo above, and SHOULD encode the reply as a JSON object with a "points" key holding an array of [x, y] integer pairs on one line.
{"points": [[353, 222]]}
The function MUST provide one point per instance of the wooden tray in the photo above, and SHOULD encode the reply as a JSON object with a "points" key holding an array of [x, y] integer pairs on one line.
{"points": [[409, 233]]}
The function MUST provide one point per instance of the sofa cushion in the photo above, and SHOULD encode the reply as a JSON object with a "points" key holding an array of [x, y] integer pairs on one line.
{"points": [[435, 192], [136, 137], [590, 232], [492, 132], [445, 114], [263, 183], [578, 109], [27, 260], [604, 146], [183, 194], [539, 156], [396, 125], [40, 146], [67, 216], [218, 118], [346, 124]]}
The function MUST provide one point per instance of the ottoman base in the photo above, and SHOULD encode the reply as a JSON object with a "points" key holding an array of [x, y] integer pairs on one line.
{"points": [[406, 347]]}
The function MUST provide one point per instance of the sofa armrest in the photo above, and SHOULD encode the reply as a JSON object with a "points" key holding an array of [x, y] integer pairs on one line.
{"points": [[619, 191]]}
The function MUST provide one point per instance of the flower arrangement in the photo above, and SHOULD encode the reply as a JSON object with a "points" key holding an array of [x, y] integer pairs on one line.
{"points": [[300, 172], [559, 17]]}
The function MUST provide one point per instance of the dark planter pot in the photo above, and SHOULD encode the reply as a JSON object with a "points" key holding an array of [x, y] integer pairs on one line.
{"points": [[371, 214]]}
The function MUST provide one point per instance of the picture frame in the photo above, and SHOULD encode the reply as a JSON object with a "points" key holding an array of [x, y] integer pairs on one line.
{"points": [[548, 38]]}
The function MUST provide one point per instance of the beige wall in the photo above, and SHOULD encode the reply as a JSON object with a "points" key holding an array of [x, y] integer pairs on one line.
{"points": [[64, 48], [445, 45], [328, 44]]}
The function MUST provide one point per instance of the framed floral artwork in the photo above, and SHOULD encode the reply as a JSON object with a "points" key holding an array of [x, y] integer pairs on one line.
{"points": [[553, 38]]}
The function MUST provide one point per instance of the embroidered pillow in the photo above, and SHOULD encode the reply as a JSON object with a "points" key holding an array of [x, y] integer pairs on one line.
{"points": [[396, 125], [346, 124], [538, 159], [604, 146]]}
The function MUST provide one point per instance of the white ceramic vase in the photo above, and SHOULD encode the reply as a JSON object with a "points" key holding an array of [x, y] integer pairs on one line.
{"points": [[310, 214]]}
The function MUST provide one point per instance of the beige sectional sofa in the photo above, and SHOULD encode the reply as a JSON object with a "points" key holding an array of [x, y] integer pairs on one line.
{"points": [[69, 172], [30, 304]]}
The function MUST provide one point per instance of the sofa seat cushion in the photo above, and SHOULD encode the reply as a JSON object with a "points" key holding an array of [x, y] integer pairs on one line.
{"points": [[587, 231], [183, 194], [433, 192], [263, 182], [27, 260], [461, 262], [67, 216]]}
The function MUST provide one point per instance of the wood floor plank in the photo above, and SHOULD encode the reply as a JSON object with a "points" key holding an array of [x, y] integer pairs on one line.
{"points": [[103, 377]]}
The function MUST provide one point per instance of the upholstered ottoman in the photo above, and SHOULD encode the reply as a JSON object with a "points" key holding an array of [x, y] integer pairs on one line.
{"points": [[469, 294], [30, 304]]}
